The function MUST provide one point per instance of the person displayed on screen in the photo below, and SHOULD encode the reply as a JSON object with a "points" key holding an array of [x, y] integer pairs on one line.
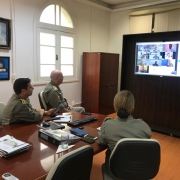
{"points": [[19, 108], [156, 56], [53, 95], [143, 69], [168, 56], [156, 48], [124, 126], [169, 63], [170, 48], [155, 64], [142, 63]]}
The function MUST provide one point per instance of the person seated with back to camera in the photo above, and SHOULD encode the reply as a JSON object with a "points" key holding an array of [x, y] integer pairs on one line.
{"points": [[19, 108], [124, 126], [53, 95]]}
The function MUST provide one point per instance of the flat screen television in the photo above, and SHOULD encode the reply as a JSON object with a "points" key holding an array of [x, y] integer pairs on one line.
{"points": [[158, 58]]}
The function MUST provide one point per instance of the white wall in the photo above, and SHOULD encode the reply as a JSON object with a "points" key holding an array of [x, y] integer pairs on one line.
{"points": [[5, 86], [93, 35], [119, 25]]}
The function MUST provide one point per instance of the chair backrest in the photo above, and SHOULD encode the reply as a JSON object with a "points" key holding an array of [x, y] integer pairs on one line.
{"points": [[42, 102], [134, 158], [2, 106], [75, 165]]}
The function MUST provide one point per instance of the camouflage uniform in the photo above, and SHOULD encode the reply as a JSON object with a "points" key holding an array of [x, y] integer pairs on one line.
{"points": [[112, 130], [54, 98], [18, 110]]}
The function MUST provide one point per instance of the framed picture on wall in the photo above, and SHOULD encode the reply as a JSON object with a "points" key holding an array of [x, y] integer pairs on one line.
{"points": [[5, 33], [4, 68]]}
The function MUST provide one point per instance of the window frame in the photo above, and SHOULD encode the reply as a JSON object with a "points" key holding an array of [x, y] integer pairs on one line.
{"points": [[60, 30]]}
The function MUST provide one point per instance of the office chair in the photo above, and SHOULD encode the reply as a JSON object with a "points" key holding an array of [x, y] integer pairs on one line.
{"points": [[2, 106], [133, 159], [42, 101], [75, 165]]}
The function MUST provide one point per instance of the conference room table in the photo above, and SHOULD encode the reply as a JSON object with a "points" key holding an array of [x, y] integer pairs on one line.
{"points": [[35, 163]]}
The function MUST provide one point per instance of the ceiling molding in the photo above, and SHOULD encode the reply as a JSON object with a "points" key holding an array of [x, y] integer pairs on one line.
{"points": [[95, 5], [142, 5], [126, 6], [156, 10]]}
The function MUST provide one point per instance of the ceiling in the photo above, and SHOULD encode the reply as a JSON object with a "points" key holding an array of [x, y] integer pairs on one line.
{"points": [[128, 4]]}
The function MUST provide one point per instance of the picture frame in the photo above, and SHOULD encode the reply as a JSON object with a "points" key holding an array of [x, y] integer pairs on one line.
{"points": [[4, 68], [5, 33]]}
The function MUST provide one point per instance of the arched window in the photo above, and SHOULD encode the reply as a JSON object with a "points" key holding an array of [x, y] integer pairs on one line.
{"points": [[56, 38]]}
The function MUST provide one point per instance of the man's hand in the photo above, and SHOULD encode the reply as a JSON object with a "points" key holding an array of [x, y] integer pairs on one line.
{"points": [[41, 111], [50, 111], [69, 107]]}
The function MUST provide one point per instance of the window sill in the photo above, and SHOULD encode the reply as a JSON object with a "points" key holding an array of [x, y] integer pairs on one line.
{"points": [[40, 83]]}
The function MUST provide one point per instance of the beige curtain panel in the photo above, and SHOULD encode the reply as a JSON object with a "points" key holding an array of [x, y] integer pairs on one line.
{"points": [[140, 24], [167, 21]]}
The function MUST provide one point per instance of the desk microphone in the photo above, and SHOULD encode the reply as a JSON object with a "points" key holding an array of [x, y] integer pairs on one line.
{"points": [[53, 119]]}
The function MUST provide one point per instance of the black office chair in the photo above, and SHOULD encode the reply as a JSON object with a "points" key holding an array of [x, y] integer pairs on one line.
{"points": [[75, 165], [42, 101], [133, 159]]}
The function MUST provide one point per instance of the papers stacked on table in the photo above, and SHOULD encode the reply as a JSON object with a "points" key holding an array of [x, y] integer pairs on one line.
{"points": [[10, 146], [63, 118]]}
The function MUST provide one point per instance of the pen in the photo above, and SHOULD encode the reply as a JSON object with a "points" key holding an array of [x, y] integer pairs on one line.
{"points": [[53, 119]]}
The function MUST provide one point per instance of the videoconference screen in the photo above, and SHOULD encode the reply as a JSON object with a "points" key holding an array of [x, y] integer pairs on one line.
{"points": [[158, 58]]}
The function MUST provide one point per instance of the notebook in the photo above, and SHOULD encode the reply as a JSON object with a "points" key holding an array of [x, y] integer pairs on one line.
{"points": [[78, 132]]}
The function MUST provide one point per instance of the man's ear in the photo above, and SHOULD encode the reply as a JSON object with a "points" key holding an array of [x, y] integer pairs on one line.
{"points": [[23, 90]]}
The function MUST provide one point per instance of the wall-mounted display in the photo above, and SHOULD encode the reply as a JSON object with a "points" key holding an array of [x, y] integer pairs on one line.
{"points": [[5, 33], [4, 68]]}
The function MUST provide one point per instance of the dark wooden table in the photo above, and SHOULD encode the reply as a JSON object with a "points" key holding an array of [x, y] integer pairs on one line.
{"points": [[36, 162]]}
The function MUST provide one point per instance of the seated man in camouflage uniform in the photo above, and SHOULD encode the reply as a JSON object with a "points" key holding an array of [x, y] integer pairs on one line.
{"points": [[18, 108], [54, 96]]}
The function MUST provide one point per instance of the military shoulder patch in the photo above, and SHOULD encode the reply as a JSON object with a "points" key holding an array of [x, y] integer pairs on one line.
{"points": [[55, 88], [23, 101]]}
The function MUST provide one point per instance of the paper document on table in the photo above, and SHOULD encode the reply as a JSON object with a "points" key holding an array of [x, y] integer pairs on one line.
{"points": [[10, 145], [60, 149], [99, 128], [63, 118]]}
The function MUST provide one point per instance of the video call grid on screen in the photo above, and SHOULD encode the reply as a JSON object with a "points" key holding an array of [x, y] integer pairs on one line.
{"points": [[158, 58]]}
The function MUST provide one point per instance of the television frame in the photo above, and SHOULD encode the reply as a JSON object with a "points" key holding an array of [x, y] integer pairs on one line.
{"points": [[6, 61], [148, 60], [5, 24]]}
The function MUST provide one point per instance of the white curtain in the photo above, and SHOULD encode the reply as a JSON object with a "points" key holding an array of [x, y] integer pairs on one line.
{"points": [[140, 24], [167, 21]]}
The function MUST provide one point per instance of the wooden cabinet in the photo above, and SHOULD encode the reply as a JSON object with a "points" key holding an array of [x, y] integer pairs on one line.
{"points": [[99, 81]]}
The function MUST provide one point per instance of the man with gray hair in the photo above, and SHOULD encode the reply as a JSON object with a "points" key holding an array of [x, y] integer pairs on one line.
{"points": [[54, 96]]}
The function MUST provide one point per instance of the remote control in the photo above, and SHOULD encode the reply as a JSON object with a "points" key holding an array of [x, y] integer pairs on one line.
{"points": [[8, 176], [55, 112]]}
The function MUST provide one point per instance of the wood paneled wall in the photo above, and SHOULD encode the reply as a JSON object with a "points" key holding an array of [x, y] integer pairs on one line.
{"points": [[157, 99]]}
